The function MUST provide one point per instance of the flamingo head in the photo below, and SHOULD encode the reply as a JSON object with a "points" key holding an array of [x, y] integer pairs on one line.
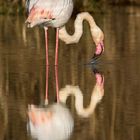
{"points": [[99, 48], [38, 16], [98, 52], [98, 37]]}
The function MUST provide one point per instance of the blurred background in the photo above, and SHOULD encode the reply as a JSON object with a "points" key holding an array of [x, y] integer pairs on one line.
{"points": [[18, 6]]}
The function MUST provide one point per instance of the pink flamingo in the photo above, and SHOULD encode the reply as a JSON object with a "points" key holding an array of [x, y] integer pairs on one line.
{"points": [[49, 13]]}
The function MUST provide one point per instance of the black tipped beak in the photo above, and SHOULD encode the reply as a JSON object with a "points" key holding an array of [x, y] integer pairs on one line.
{"points": [[96, 57], [95, 70]]}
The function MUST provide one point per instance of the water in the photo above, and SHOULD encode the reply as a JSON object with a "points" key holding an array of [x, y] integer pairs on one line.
{"points": [[22, 76]]}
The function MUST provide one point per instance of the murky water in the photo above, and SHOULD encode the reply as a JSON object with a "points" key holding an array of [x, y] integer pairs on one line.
{"points": [[22, 76]]}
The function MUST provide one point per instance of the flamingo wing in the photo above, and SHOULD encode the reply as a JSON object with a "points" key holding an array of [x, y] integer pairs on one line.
{"points": [[54, 6], [53, 13]]}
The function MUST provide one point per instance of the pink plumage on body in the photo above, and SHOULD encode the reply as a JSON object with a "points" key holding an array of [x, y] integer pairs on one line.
{"points": [[53, 13]]}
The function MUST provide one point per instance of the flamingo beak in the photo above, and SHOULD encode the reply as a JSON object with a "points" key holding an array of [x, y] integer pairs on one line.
{"points": [[98, 53]]}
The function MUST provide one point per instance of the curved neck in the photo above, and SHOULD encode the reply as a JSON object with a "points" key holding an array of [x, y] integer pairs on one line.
{"points": [[78, 26], [96, 96]]}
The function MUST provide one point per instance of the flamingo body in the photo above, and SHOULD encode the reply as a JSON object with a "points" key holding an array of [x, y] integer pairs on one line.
{"points": [[49, 13]]}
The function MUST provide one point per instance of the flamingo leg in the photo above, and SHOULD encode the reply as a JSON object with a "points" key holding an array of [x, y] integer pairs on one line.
{"points": [[57, 83], [47, 64], [56, 49], [56, 64]]}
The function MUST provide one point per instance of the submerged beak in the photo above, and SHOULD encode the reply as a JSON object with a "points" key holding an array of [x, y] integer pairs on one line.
{"points": [[98, 53]]}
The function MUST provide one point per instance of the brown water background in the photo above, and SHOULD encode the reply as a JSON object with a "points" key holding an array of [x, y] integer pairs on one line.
{"points": [[22, 75]]}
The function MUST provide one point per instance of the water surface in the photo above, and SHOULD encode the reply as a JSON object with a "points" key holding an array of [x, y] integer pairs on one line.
{"points": [[22, 76]]}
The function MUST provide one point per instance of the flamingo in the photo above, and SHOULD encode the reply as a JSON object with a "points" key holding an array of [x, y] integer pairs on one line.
{"points": [[49, 13]]}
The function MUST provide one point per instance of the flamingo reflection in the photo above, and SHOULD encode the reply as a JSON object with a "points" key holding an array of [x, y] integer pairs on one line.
{"points": [[50, 122], [96, 96], [55, 122]]}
